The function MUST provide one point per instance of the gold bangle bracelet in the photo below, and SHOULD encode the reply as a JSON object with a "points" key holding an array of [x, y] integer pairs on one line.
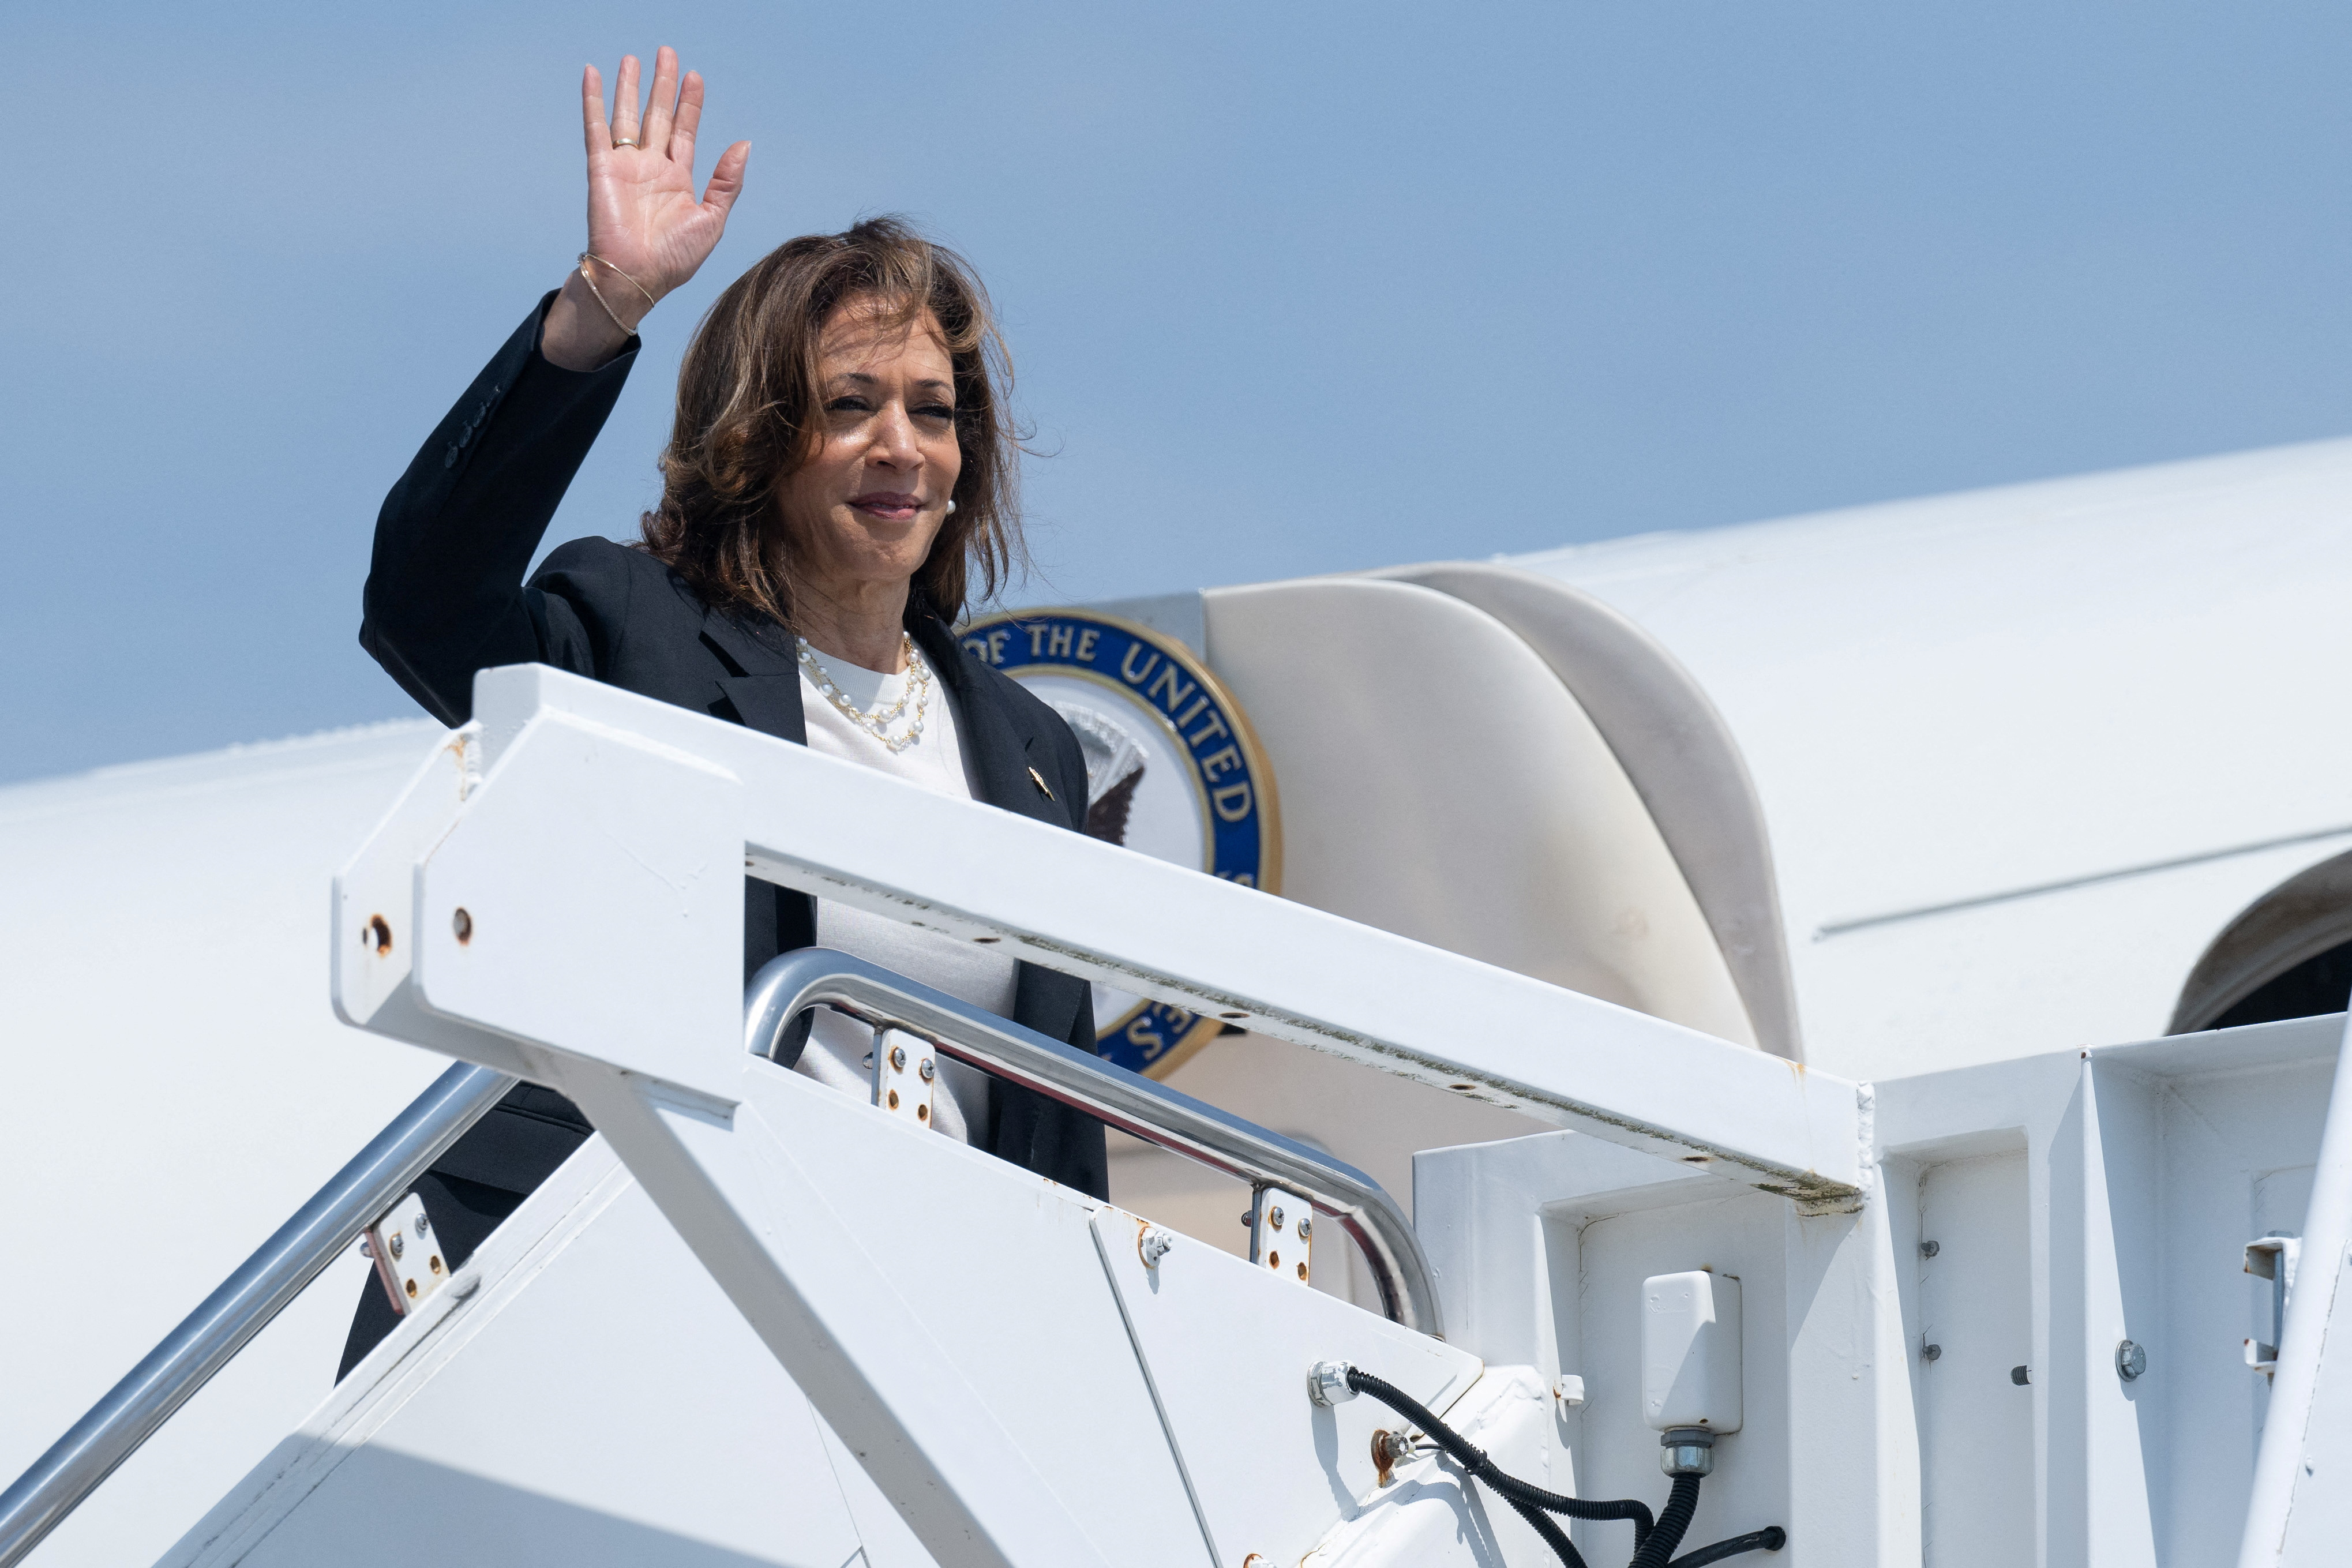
{"points": [[626, 330], [587, 255]]}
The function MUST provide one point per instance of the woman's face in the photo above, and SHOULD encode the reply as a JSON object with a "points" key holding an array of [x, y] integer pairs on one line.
{"points": [[865, 509]]}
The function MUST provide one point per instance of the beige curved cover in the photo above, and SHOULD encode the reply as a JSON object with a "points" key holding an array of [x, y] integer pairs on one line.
{"points": [[1677, 750], [1438, 780]]}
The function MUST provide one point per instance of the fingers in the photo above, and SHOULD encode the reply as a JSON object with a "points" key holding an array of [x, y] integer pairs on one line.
{"points": [[689, 120], [625, 104], [727, 179], [592, 112], [657, 110]]}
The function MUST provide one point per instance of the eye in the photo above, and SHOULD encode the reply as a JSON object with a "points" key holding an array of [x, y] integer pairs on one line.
{"points": [[851, 403], [936, 411]]}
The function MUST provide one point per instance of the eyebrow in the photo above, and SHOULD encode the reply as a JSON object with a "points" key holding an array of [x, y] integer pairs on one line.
{"points": [[862, 379]]}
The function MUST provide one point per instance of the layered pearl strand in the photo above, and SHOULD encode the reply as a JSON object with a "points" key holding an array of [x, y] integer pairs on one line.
{"points": [[877, 721]]}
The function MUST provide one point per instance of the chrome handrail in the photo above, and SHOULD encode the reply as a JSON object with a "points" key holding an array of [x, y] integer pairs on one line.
{"points": [[794, 982], [262, 1286]]}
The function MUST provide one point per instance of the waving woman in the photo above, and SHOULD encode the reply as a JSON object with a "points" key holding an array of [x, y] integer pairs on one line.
{"points": [[841, 472]]}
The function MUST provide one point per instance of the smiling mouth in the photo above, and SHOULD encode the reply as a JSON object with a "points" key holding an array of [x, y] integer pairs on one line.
{"points": [[889, 505]]}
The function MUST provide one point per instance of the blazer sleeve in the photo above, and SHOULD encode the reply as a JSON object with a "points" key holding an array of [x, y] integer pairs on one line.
{"points": [[444, 594]]}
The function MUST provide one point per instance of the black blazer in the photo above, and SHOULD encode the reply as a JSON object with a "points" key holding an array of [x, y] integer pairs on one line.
{"points": [[445, 597]]}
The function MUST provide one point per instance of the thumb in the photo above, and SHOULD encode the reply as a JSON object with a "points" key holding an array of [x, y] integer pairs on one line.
{"points": [[727, 179]]}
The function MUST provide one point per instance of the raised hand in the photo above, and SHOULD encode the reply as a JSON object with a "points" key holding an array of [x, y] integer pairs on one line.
{"points": [[644, 225]]}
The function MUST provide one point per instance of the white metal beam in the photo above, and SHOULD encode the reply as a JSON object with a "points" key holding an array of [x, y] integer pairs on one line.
{"points": [[598, 839]]}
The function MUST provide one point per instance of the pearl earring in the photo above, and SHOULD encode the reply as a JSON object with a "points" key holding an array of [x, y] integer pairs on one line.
{"points": [[950, 509]]}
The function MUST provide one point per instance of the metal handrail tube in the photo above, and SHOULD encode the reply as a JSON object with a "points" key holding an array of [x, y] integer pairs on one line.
{"points": [[244, 1305], [809, 977]]}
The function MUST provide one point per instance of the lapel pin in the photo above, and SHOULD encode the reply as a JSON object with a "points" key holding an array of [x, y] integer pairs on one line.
{"points": [[1039, 780]]}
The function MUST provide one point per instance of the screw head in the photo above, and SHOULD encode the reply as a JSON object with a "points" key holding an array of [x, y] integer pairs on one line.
{"points": [[396, 1245], [1305, 1227], [1275, 1217], [1155, 1244], [1930, 1248], [897, 1059], [424, 1224], [928, 1069], [2131, 1360]]}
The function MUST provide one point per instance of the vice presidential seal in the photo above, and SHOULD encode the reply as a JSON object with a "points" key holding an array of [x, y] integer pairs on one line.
{"points": [[1172, 771]]}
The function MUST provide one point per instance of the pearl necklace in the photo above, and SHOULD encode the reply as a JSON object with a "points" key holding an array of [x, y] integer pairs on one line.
{"points": [[877, 723]]}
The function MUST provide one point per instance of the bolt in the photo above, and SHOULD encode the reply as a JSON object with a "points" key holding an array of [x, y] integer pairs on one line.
{"points": [[463, 924], [1929, 1249], [897, 1059], [2021, 1377], [1275, 1219], [396, 1247], [2131, 1360], [1930, 1352], [1305, 1227], [1155, 1244], [424, 1224], [927, 1070]]}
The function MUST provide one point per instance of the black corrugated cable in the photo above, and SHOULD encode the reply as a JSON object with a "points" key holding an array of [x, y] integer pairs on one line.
{"points": [[1672, 1519], [1474, 1460], [1771, 1539], [1532, 1503], [1652, 1543]]}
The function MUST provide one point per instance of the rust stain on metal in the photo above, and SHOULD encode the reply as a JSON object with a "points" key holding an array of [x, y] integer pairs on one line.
{"points": [[379, 935]]}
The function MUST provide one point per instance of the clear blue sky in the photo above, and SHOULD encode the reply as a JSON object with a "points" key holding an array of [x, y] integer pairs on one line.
{"points": [[1291, 289]]}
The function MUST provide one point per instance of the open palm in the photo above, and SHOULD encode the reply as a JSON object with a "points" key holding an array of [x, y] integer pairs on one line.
{"points": [[643, 218]]}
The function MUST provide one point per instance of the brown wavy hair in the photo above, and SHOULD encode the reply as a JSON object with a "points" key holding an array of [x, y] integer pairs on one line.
{"points": [[750, 414]]}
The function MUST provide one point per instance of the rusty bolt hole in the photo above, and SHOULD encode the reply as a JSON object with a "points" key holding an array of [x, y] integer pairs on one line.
{"points": [[463, 924], [1274, 1260], [1302, 1272], [893, 1100], [378, 935], [412, 1288], [922, 1113]]}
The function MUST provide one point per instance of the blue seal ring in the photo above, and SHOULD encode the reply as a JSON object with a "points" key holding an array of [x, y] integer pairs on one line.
{"points": [[1233, 785]]}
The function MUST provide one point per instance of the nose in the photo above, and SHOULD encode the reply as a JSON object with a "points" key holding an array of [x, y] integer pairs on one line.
{"points": [[894, 438]]}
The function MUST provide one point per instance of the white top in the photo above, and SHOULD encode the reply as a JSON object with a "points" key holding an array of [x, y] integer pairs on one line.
{"points": [[838, 1047]]}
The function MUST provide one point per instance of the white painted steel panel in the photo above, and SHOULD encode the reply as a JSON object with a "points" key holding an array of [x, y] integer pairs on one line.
{"points": [[600, 1402], [1227, 1348], [1975, 1306], [1431, 1517]]}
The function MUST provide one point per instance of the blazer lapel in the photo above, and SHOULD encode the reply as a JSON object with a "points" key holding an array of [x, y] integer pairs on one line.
{"points": [[999, 750], [764, 688]]}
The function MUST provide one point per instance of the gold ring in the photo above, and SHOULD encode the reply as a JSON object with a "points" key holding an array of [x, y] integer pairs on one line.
{"points": [[619, 142]]}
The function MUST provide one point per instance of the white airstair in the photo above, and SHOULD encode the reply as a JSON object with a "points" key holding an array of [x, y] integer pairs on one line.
{"points": [[2001, 1313]]}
